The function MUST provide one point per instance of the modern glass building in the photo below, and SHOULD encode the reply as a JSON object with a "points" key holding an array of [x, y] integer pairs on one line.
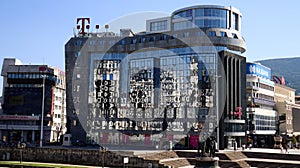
{"points": [[180, 81]]}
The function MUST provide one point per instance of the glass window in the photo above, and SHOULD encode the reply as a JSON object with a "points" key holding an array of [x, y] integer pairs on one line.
{"points": [[164, 37], [153, 38], [92, 42], [186, 34], [211, 33], [77, 54], [158, 26], [211, 18], [201, 33], [101, 42], [199, 22], [234, 35], [199, 12], [187, 13], [122, 42], [208, 23], [134, 41], [223, 34], [215, 12], [112, 42], [183, 25], [234, 21], [78, 42]]}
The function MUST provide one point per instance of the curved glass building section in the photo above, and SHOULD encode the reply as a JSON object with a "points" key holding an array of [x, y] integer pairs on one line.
{"points": [[221, 24], [207, 16]]}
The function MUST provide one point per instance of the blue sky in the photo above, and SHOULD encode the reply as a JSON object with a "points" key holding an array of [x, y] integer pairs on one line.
{"points": [[35, 31]]}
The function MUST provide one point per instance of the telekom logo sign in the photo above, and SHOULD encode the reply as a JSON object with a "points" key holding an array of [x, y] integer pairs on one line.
{"points": [[238, 112], [84, 25]]}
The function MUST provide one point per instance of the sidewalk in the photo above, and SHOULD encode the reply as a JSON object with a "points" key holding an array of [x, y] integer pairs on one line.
{"points": [[264, 150], [42, 164]]}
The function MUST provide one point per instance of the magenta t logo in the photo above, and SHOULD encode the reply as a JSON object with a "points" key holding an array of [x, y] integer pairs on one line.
{"points": [[83, 26]]}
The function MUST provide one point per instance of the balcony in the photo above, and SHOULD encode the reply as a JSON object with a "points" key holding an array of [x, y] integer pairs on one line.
{"points": [[255, 88], [264, 132], [234, 134], [264, 101], [236, 121], [250, 109]]}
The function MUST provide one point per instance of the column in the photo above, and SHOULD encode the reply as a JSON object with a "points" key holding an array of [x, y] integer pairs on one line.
{"points": [[33, 135], [22, 136], [1, 136]]}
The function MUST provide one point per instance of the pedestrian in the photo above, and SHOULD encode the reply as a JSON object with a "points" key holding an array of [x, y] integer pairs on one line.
{"points": [[249, 143], [243, 147], [285, 145], [294, 142]]}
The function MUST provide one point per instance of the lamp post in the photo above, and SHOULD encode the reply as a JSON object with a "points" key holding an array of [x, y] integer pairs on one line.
{"points": [[217, 111], [103, 150], [217, 105], [43, 104], [21, 146]]}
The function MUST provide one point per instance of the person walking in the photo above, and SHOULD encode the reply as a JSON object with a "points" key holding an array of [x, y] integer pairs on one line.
{"points": [[294, 142], [249, 143], [285, 144]]}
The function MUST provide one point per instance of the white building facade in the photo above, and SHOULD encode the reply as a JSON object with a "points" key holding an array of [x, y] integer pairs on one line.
{"points": [[261, 116], [59, 107]]}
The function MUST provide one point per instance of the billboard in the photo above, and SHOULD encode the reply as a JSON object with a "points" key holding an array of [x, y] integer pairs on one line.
{"points": [[258, 69]]}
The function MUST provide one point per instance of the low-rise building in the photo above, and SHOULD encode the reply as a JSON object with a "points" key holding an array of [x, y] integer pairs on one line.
{"points": [[28, 92], [285, 100], [288, 108], [296, 116]]}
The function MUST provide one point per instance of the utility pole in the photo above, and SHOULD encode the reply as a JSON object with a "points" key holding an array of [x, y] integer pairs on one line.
{"points": [[43, 104]]}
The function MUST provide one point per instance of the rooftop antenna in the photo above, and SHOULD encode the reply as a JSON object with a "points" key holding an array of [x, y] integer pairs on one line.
{"points": [[106, 27], [74, 31], [97, 28]]}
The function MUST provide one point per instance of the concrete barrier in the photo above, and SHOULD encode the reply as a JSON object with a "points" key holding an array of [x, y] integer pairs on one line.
{"points": [[75, 156]]}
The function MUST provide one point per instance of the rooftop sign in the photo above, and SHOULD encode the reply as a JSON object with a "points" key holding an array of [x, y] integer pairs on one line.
{"points": [[259, 70]]}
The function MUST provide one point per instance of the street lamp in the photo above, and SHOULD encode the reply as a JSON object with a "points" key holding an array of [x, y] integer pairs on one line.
{"points": [[43, 104], [217, 111], [21, 146], [103, 150], [217, 76]]}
